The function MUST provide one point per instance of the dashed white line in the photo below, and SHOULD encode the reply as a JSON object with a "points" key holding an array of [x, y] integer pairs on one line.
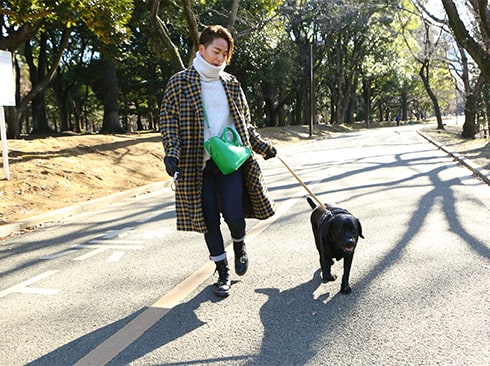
{"points": [[95, 241], [38, 291], [107, 246], [90, 254], [21, 287], [112, 346], [115, 257], [119, 233]]}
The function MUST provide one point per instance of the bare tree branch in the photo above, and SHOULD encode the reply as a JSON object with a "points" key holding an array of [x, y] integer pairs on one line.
{"points": [[233, 14], [44, 82], [193, 30], [164, 35], [475, 49]]}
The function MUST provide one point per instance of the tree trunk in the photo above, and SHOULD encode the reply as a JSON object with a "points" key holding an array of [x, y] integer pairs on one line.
{"points": [[20, 36], [404, 104], [366, 86], [193, 29], [41, 83], [111, 123], [61, 96], [469, 126], [38, 73], [13, 126], [40, 124], [233, 13], [424, 75]]}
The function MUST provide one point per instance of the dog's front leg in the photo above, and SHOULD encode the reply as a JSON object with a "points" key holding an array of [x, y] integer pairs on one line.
{"points": [[326, 264], [345, 288]]}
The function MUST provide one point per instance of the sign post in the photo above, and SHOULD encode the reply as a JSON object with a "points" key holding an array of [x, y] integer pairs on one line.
{"points": [[7, 98]]}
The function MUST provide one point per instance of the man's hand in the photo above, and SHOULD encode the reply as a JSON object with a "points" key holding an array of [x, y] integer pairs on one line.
{"points": [[171, 165], [271, 153]]}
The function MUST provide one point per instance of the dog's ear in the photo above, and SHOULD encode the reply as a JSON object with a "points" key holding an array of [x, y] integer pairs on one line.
{"points": [[359, 228]]}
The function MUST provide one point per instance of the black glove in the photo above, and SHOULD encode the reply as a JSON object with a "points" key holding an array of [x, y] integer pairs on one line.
{"points": [[271, 153], [171, 165]]}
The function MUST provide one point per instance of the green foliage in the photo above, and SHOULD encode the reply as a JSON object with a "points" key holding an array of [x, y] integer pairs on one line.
{"points": [[263, 64], [105, 18], [363, 56]]}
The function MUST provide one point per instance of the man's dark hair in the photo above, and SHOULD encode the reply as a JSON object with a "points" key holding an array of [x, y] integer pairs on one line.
{"points": [[210, 33]]}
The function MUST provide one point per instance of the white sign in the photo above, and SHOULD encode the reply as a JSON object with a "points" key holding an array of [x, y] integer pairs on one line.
{"points": [[5, 151], [7, 85], [7, 97]]}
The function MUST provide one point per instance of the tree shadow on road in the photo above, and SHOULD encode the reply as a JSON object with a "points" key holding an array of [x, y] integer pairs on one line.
{"points": [[182, 321], [297, 322]]}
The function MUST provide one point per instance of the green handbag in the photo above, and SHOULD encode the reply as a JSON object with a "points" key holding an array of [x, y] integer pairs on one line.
{"points": [[228, 154]]}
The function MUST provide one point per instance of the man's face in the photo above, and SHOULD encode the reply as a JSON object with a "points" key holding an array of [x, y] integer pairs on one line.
{"points": [[216, 52]]}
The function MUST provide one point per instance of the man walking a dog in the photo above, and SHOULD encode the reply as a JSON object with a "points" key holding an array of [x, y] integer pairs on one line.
{"points": [[198, 104]]}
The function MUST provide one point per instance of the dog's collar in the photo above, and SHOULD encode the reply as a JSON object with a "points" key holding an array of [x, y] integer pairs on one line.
{"points": [[337, 211], [330, 214]]}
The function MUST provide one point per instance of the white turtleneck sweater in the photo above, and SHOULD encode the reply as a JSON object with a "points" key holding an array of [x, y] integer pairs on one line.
{"points": [[217, 109]]}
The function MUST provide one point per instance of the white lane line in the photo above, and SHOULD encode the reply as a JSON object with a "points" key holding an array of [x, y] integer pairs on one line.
{"points": [[100, 246], [90, 254], [115, 257], [21, 286], [153, 234], [38, 291], [117, 233], [111, 244], [119, 341], [95, 241]]}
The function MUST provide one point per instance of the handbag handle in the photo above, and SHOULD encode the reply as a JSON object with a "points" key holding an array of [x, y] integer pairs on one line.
{"points": [[224, 135]]}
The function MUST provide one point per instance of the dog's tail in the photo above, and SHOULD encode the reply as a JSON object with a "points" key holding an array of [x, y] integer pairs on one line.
{"points": [[310, 201]]}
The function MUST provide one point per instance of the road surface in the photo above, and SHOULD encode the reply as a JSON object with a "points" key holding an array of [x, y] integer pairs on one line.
{"points": [[120, 286]]}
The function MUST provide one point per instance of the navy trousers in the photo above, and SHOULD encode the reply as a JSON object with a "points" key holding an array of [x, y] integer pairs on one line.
{"points": [[222, 195]]}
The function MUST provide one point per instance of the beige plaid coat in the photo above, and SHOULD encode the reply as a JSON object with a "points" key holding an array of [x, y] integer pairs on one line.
{"points": [[182, 128]]}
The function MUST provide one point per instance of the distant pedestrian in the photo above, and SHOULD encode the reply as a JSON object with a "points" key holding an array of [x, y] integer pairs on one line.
{"points": [[199, 103], [397, 119]]}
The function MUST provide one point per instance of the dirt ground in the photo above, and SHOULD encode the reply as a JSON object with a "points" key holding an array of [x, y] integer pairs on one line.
{"points": [[476, 150], [55, 172]]}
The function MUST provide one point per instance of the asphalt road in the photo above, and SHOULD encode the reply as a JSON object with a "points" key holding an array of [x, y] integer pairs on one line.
{"points": [[120, 286]]}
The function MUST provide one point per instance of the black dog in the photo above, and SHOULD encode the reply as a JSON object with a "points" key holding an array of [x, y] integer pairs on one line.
{"points": [[336, 234]]}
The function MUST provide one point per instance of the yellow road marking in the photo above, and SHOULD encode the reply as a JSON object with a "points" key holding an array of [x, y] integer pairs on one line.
{"points": [[119, 341]]}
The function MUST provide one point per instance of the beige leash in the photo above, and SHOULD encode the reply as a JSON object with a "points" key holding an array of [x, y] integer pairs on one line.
{"points": [[301, 182]]}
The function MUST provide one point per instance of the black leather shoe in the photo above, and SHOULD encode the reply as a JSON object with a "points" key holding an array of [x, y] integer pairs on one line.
{"points": [[222, 287], [241, 258]]}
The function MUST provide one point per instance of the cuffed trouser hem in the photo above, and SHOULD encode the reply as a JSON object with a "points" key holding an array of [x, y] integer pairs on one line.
{"points": [[238, 240], [218, 258]]}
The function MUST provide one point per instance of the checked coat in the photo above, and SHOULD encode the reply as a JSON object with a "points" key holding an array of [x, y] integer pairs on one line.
{"points": [[182, 131]]}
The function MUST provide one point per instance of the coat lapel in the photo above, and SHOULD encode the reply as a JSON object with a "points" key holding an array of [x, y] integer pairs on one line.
{"points": [[233, 94]]}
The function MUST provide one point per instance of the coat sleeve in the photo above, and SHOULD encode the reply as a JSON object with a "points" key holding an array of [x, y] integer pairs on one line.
{"points": [[169, 118], [258, 144]]}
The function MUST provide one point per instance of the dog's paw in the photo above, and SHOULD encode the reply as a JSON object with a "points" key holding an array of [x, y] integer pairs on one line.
{"points": [[345, 290], [328, 278]]}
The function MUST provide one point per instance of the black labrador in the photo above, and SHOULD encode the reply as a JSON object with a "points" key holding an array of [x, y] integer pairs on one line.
{"points": [[336, 234]]}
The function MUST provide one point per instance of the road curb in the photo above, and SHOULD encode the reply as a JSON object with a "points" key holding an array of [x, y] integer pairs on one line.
{"points": [[57, 215], [477, 170]]}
